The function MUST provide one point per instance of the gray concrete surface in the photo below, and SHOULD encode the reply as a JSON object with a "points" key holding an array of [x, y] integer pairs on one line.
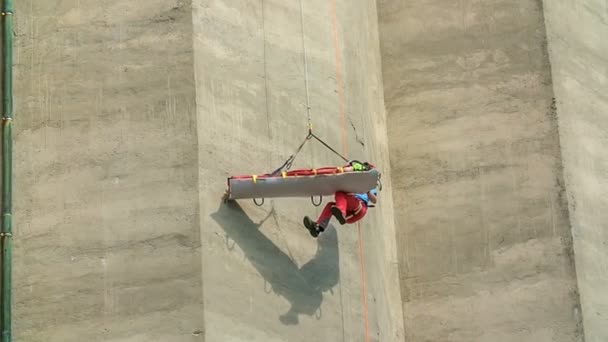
{"points": [[130, 116], [578, 45], [107, 244], [484, 238], [265, 279]]}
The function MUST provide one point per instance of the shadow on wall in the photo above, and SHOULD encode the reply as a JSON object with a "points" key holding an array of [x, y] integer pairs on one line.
{"points": [[302, 286]]}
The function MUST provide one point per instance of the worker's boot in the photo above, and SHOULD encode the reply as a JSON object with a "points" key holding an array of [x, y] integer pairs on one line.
{"points": [[338, 214], [313, 228]]}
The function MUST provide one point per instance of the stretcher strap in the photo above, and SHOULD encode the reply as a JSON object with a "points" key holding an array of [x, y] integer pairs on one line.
{"points": [[289, 162], [295, 173]]}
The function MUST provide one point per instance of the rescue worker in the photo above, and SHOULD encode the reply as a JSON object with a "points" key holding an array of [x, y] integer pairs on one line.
{"points": [[347, 208]]}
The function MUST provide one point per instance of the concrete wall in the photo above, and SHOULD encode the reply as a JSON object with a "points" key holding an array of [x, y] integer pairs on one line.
{"points": [[367, 125], [130, 116], [107, 242], [265, 278], [484, 238], [578, 47]]}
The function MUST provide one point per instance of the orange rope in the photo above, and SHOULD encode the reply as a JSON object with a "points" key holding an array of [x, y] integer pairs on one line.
{"points": [[345, 145], [363, 283]]}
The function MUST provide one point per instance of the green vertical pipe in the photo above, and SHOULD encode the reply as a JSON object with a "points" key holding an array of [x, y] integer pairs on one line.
{"points": [[7, 169]]}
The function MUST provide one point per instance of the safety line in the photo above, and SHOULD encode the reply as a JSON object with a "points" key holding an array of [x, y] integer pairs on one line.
{"points": [[344, 143], [269, 158], [330, 148], [339, 75], [305, 67], [361, 260], [265, 69]]}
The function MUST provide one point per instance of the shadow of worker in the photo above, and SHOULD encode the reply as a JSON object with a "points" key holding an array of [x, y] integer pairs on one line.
{"points": [[302, 286]]}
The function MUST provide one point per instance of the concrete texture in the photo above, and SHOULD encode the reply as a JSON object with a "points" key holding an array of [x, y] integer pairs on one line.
{"points": [[578, 48], [130, 116], [107, 244], [484, 238], [264, 278]]}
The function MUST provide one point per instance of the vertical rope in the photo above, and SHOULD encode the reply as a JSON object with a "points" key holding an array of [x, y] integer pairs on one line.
{"points": [[265, 69], [305, 66], [269, 158], [362, 262], [345, 144], [339, 76]]}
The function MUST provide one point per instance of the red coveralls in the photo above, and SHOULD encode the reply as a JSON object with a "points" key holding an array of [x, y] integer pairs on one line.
{"points": [[353, 209]]}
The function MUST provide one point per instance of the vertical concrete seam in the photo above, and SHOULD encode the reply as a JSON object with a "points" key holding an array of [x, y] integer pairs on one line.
{"points": [[395, 259], [562, 187]]}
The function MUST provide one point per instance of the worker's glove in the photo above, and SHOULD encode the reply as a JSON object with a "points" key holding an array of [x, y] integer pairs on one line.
{"points": [[358, 166]]}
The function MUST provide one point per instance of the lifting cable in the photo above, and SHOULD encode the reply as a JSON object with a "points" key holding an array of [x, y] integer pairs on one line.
{"points": [[305, 67], [288, 163]]}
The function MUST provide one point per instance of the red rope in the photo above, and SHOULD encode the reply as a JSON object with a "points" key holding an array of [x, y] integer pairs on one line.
{"points": [[344, 143]]}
